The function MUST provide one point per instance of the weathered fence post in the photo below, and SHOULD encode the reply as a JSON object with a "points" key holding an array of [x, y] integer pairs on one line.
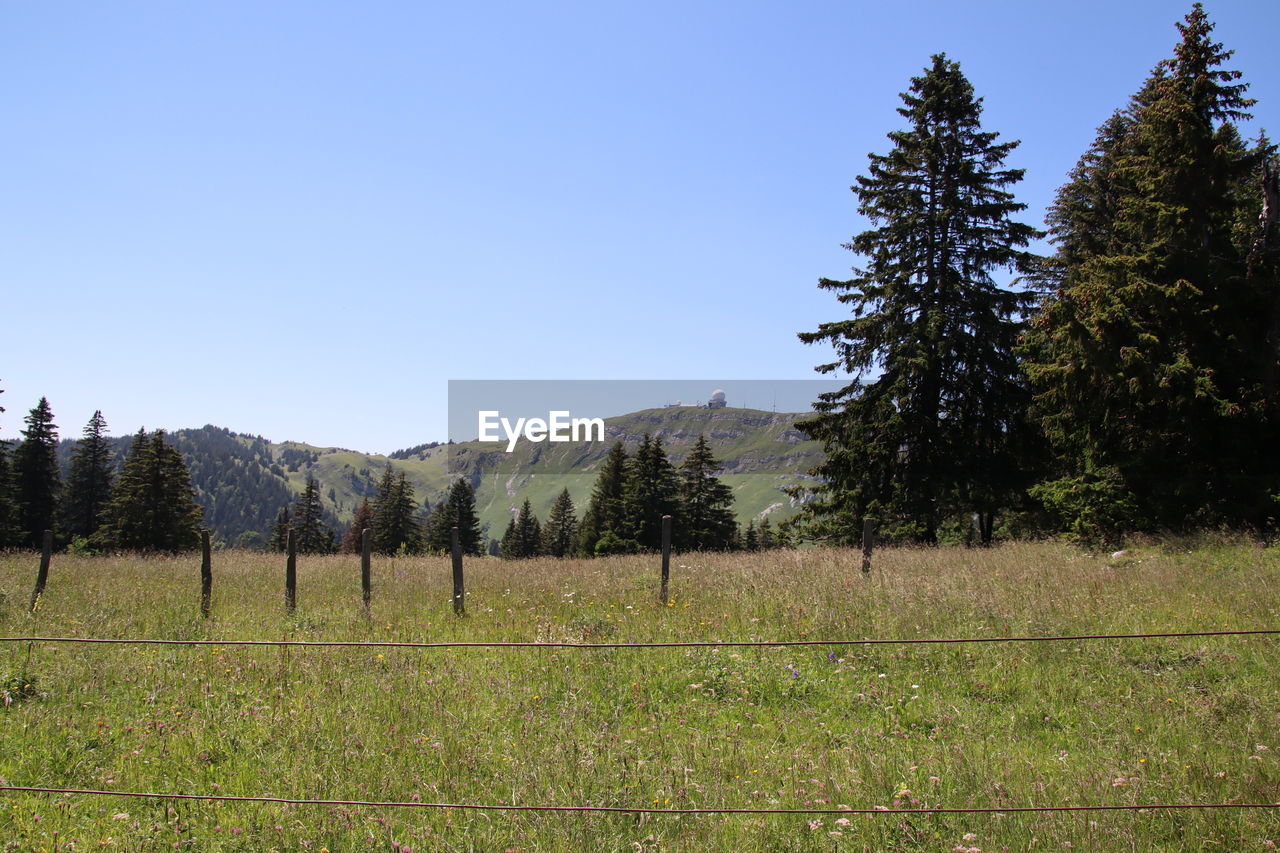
{"points": [[206, 574], [42, 575], [366, 574], [868, 543], [459, 605], [666, 558], [291, 573]]}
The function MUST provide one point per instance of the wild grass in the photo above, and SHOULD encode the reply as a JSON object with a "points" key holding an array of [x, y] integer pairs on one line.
{"points": [[999, 725]]}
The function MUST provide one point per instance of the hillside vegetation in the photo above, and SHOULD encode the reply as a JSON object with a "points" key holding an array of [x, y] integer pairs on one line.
{"points": [[242, 481]]}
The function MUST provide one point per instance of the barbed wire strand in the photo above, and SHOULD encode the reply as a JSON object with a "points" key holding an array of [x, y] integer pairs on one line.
{"points": [[638, 809], [659, 645]]}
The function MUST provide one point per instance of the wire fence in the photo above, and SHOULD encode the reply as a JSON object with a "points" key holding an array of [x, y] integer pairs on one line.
{"points": [[679, 644], [877, 810], [880, 810]]}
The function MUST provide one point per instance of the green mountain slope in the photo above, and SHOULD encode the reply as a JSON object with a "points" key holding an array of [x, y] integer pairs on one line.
{"points": [[242, 481], [762, 453]]}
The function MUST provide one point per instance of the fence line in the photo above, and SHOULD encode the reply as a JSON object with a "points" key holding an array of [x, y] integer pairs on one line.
{"points": [[366, 589], [643, 809], [665, 645], [290, 603]]}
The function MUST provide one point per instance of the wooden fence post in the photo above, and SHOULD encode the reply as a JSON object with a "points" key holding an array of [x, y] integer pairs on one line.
{"points": [[459, 605], [666, 558], [868, 543], [366, 574], [42, 575], [206, 574], [291, 573]]}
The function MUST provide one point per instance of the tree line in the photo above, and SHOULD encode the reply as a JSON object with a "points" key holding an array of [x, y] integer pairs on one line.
{"points": [[1129, 382], [624, 514], [398, 524], [148, 505], [145, 502]]}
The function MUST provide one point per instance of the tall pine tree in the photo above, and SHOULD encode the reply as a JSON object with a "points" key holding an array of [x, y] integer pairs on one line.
{"points": [[458, 508], [705, 519], [396, 527], [88, 480], [1149, 357], [934, 433], [37, 482], [606, 509], [651, 492], [561, 530], [311, 534]]}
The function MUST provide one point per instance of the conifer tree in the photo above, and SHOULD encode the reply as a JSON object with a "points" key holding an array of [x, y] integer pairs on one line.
{"points": [[523, 538], [408, 512], [88, 481], [1149, 357], [395, 515], [385, 540], [934, 433], [561, 530], [152, 506], [750, 541], [704, 521], [462, 508], [311, 534], [458, 508], [280, 531], [606, 509], [508, 548], [765, 535], [353, 539], [651, 492], [36, 480], [528, 531]]}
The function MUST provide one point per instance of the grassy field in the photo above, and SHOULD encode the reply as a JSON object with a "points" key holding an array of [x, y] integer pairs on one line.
{"points": [[898, 726]]}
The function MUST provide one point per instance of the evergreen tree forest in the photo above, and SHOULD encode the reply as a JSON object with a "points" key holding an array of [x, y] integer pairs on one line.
{"points": [[624, 514], [152, 506], [1127, 383], [394, 515]]}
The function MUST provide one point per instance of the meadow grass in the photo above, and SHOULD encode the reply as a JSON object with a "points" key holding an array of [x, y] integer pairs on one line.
{"points": [[999, 725]]}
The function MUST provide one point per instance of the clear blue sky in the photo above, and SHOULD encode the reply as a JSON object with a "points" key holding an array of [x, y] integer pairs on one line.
{"points": [[301, 219]]}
